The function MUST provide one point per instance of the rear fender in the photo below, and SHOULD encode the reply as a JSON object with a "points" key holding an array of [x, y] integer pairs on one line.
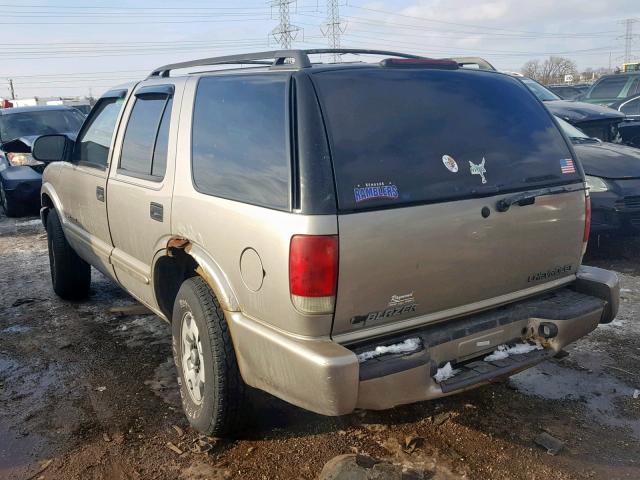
{"points": [[214, 276]]}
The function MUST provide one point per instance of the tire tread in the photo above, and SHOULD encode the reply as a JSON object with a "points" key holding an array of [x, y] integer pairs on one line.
{"points": [[231, 398], [72, 277]]}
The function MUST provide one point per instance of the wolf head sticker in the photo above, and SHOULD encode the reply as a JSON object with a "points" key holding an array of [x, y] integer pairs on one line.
{"points": [[478, 169]]}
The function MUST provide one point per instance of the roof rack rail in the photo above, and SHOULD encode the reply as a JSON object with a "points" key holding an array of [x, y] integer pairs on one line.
{"points": [[300, 59]]}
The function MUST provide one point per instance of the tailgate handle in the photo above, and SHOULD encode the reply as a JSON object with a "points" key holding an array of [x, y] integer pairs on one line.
{"points": [[529, 198], [156, 211], [100, 194]]}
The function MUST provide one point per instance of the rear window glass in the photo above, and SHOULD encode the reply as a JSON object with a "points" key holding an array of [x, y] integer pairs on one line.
{"points": [[416, 136], [609, 87], [239, 143]]}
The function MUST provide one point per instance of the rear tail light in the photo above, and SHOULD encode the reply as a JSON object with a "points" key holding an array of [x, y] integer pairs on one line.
{"points": [[313, 272], [587, 222], [442, 63]]}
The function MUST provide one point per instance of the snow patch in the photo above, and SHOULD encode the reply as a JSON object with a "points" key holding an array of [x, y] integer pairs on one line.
{"points": [[28, 223], [409, 345], [445, 373], [505, 351]]}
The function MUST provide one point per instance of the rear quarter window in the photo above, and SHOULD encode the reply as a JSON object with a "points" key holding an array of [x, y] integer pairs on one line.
{"points": [[240, 139], [422, 136]]}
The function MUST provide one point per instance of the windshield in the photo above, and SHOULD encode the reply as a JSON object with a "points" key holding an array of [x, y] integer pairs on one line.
{"points": [[25, 124], [424, 136], [543, 93]]}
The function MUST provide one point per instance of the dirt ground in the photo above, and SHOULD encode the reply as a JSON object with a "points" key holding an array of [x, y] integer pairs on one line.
{"points": [[87, 393]]}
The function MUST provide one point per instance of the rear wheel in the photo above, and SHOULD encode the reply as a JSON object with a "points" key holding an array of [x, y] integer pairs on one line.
{"points": [[211, 388], [70, 274], [8, 206]]}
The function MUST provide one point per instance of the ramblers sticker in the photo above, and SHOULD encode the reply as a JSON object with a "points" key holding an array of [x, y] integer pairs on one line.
{"points": [[450, 163], [371, 191], [478, 169]]}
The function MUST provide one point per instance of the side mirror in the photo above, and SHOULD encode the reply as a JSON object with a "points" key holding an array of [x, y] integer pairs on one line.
{"points": [[52, 148]]}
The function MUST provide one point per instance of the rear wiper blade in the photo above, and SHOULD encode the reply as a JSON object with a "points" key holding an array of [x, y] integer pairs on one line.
{"points": [[527, 198]]}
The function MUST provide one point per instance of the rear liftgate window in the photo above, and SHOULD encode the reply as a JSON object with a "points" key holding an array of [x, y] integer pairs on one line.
{"points": [[421, 136], [239, 144]]}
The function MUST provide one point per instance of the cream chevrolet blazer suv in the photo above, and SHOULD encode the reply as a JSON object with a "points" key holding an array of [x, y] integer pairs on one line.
{"points": [[342, 236]]}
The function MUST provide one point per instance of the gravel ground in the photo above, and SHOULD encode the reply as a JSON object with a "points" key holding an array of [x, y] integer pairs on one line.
{"points": [[86, 393]]}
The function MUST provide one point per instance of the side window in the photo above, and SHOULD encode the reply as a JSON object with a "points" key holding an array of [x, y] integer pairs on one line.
{"points": [[632, 107], [144, 148], [239, 139], [94, 141]]}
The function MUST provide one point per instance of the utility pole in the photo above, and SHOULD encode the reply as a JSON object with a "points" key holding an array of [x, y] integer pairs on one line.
{"points": [[333, 28], [284, 33], [13, 92]]}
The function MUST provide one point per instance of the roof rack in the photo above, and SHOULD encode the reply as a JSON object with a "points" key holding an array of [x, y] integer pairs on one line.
{"points": [[299, 58]]}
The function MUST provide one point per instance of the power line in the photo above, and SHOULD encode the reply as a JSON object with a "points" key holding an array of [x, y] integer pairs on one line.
{"points": [[455, 33], [483, 28], [127, 7], [137, 22]]}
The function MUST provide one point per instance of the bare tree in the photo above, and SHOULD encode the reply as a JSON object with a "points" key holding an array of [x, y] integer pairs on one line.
{"points": [[531, 69], [552, 70]]}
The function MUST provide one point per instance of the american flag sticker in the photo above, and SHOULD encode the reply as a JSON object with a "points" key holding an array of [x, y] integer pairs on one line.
{"points": [[567, 166]]}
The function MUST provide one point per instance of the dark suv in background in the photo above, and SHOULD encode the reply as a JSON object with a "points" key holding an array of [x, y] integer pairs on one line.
{"points": [[610, 89]]}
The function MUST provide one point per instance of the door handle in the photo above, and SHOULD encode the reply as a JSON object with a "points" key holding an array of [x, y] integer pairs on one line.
{"points": [[100, 194], [156, 211]]}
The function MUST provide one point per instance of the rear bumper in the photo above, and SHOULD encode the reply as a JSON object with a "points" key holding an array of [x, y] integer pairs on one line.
{"points": [[327, 378]]}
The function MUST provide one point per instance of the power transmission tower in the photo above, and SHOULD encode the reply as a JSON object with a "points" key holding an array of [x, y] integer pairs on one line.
{"points": [[628, 38], [333, 27], [13, 93], [284, 33]]}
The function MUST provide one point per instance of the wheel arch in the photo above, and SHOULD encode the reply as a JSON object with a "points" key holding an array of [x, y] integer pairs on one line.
{"points": [[180, 260], [49, 199]]}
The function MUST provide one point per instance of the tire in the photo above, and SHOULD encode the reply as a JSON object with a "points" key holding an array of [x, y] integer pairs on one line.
{"points": [[211, 387], [70, 274], [8, 206]]}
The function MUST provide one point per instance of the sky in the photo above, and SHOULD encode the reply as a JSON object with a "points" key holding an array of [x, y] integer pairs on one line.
{"points": [[72, 47]]}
